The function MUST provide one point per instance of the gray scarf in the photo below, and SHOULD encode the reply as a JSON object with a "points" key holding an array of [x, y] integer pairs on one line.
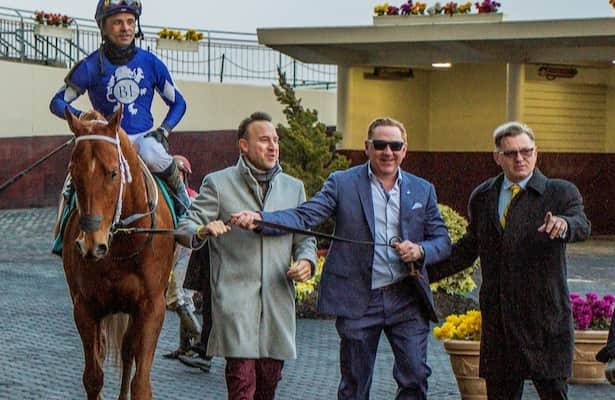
{"points": [[263, 177]]}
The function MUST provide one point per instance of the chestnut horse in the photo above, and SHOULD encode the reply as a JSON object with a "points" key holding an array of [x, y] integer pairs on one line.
{"points": [[116, 283]]}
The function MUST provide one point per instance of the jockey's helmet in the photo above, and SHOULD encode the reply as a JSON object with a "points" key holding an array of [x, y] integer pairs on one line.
{"points": [[183, 164], [106, 8]]}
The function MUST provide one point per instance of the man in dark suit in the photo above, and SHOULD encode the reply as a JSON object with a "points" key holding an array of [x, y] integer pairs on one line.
{"points": [[369, 288], [520, 222]]}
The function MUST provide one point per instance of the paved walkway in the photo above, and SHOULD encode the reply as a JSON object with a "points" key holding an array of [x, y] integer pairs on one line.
{"points": [[40, 351]]}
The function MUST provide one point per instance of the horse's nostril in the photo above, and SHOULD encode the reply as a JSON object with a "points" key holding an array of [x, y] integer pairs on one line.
{"points": [[101, 250]]}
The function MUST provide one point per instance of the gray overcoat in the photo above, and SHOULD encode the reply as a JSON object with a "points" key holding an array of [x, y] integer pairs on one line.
{"points": [[253, 302]]}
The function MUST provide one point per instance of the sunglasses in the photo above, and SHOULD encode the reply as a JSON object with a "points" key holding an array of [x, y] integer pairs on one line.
{"points": [[525, 153], [382, 144]]}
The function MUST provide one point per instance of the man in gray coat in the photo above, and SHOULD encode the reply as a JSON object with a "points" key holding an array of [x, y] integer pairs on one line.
{"points": [[253, 295], [520, 222]]}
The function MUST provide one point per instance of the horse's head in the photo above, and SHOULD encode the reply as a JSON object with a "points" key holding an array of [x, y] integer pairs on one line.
{"points": [[97, 168]]}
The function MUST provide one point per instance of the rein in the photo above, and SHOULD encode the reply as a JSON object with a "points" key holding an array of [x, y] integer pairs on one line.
{"points": [[414, 272], [175, 232], [35, 164], [320, 235]]}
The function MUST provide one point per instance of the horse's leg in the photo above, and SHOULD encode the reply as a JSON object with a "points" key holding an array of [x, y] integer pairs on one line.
{"points": [[147, 325], [89, 329], [128, 355]]}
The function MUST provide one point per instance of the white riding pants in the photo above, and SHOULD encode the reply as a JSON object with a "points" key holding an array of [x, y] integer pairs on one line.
{"points": [[152, 152]]}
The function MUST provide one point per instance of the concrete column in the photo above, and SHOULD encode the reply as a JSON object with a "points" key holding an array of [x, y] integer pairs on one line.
{"points": [[515, 79], [609, 140], [343, 85]]}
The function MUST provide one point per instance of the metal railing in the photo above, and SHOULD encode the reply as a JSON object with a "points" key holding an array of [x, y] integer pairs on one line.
{"points": [[220, 57]]}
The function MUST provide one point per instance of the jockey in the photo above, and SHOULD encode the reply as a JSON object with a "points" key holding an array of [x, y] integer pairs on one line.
{"points": [[179, 299], [120, 74]]}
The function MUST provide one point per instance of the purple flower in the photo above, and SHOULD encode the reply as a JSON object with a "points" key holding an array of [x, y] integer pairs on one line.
{"points": [[592, 312], [406, 8]]}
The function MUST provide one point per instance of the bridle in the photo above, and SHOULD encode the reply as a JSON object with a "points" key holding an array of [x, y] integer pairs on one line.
{"points": [[90, 223]]}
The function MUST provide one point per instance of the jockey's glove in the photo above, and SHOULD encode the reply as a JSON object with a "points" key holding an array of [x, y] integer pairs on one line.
{"points": [[161, 135]]}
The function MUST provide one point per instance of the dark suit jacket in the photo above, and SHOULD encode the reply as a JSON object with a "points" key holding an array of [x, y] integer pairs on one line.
{"points": [[527, 326], [347, 273]]}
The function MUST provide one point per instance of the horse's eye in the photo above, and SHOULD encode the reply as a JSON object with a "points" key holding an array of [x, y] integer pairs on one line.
{"points": [[113, 173]]}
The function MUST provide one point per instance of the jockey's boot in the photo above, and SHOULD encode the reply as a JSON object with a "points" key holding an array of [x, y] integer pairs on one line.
{"points": [[189, 321], [185, 344], [181, 200]]}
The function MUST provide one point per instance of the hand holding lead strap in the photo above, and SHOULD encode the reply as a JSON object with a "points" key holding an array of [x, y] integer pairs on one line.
{"points": [[214, 228], [408, 252]]}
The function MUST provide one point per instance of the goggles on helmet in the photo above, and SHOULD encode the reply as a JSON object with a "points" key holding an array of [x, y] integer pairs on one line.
{"points": [[109, 7]]}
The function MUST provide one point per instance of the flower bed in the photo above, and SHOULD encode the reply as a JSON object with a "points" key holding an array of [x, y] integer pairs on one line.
{"points": [[592, 312], [592, 317], [450, 8]]}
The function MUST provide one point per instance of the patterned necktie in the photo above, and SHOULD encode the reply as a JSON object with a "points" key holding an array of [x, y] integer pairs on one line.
{"points": [[515, 189]]}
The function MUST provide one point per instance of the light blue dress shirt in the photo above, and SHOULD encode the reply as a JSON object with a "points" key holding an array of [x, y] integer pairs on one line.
{"points": [[387, 268], [506, 193]]}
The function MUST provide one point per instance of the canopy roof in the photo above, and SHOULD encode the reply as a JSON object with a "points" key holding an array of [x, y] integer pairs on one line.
{"points": [[572, 41]]}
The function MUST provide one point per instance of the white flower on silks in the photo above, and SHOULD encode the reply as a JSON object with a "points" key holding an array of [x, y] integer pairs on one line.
{"points": [[123, 88]]}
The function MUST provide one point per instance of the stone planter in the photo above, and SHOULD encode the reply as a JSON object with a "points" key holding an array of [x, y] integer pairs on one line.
{"points": [[178, 45], [437, 19], [585, 368], [53, 31], [464, 356]]}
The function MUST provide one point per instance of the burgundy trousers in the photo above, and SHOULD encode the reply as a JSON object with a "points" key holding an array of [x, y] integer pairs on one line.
{"points": [[252, 379]]}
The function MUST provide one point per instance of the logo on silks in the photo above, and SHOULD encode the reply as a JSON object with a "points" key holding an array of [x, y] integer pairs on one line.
{"points": [[123, 88]]}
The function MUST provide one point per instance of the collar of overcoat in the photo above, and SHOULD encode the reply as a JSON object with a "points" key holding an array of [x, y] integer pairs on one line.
{"points": [[537, 183], [252, 183]]}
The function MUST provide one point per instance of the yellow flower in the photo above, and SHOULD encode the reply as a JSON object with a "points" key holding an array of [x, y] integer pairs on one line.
{"points": [[304, 289], [193, 35], [381, 9], [465, 7], [460, 327], [453, 319]]}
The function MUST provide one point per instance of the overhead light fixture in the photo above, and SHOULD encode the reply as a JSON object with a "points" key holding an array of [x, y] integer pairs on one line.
{"points": [[390, 73], [441, 65], [550, 72]]}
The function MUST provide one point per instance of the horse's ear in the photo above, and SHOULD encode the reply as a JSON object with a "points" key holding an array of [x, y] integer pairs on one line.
{"points": [[73, 122], [116, 119]]}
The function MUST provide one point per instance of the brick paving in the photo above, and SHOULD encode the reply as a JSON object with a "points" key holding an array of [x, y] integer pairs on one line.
{"points": [[41, 357]]}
